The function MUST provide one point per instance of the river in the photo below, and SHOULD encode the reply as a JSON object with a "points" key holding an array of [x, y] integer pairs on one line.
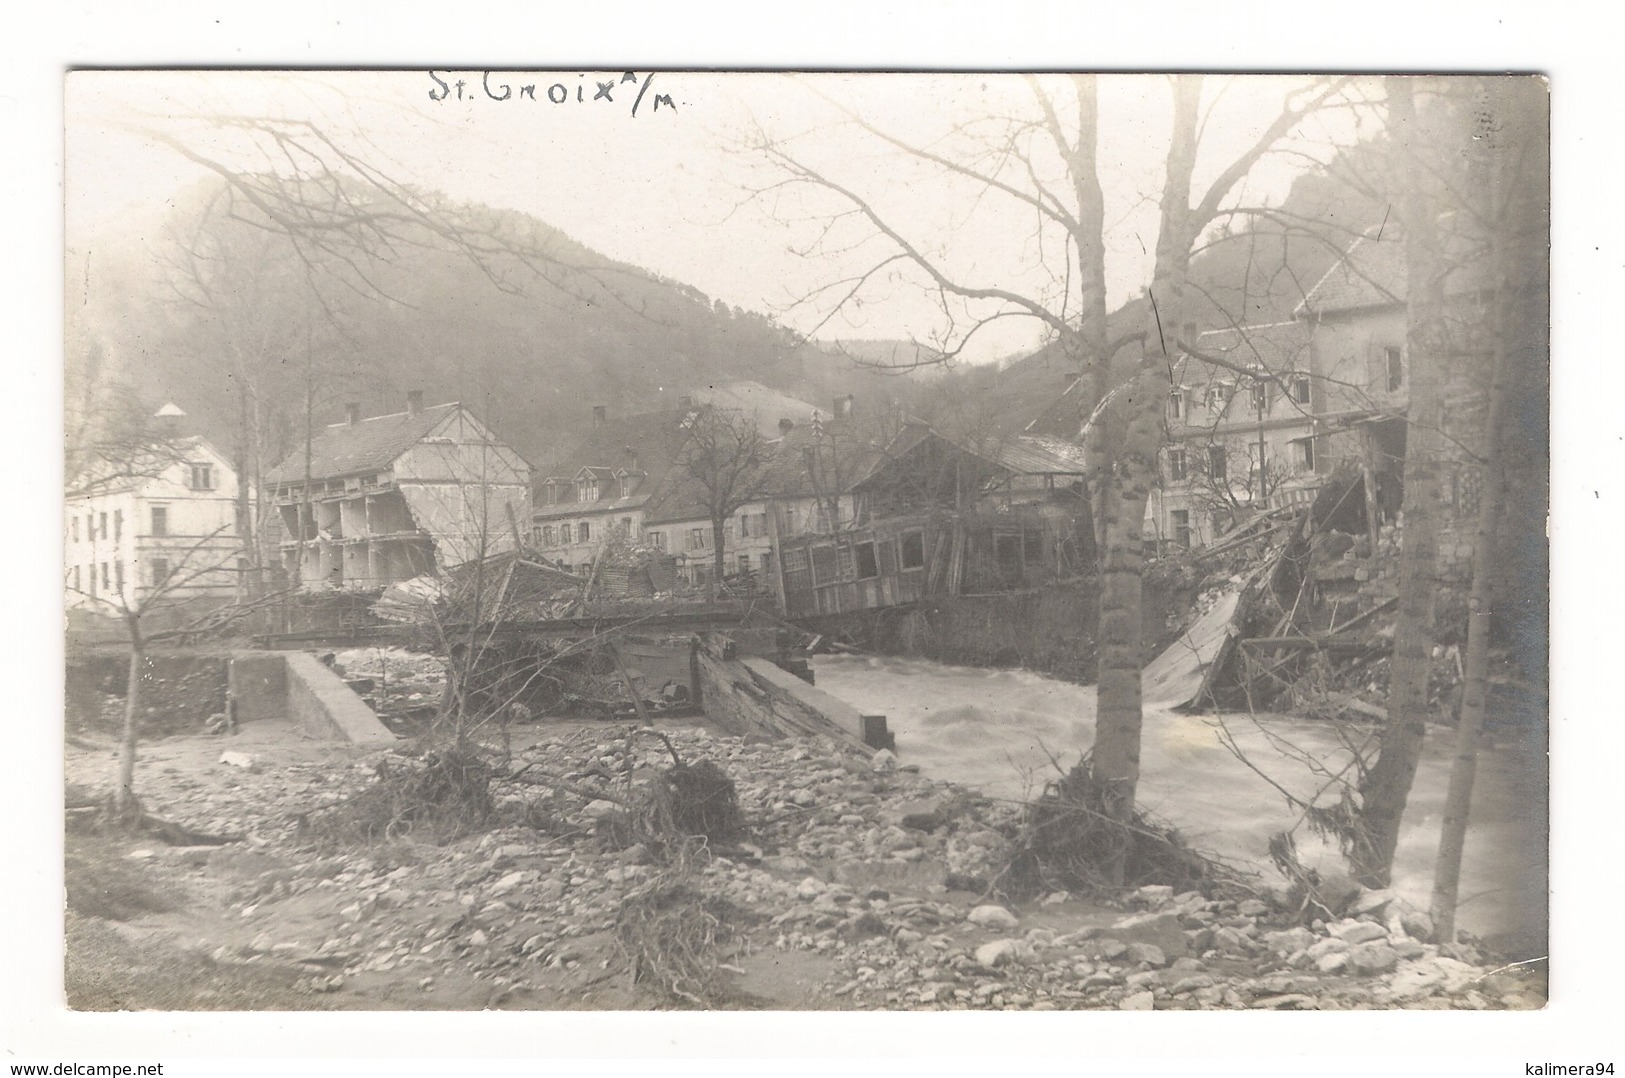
{"points": [[996, 730]]}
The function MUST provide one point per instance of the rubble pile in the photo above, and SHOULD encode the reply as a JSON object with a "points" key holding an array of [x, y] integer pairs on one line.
{"points": [[877, 874]]}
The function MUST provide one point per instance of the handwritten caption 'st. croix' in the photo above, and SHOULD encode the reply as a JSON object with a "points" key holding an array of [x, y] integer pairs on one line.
{"points": [[585, 90]]}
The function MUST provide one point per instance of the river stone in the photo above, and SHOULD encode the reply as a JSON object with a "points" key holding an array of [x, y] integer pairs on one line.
{"points": [[992, 917], [1158, 929], [1371, 901], [1417, 923], [1290, 940], [1139, 1001], [1372, 958], [1329, 945], [1003, 953], [1148, 953], [1152, 894], [1353, 932]]}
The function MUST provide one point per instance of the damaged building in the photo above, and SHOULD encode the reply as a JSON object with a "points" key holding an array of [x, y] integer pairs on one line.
{"points": [[388, 498]]}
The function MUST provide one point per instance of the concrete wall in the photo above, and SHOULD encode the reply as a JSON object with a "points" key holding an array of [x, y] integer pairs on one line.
{"points": [[257, 686], [324, 707], [181, 691]]}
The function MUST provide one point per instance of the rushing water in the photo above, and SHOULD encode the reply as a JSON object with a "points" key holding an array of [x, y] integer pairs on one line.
{"points": [[997, 730]]}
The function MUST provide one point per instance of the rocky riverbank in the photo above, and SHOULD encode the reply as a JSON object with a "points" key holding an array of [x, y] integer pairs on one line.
{"points": [[860, 885]]}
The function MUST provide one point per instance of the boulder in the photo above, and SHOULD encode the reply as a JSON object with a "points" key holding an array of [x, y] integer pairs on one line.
{"points": [[1371, 901], [1372, 958], [1353, 932], [1290, 940], [1003, 952], [1148, 953], [1329, 945], [883, 762], [1158, 929], [1152, 895], [1139, 1001], [992, 917]]}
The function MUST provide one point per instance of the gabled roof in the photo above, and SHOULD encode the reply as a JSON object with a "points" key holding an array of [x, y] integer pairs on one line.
{"points": [[368, 446], [653, 439], [1038, 454]]}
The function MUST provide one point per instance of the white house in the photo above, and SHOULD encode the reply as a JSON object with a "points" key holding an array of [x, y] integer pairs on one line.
{"points": [[172, 531]]}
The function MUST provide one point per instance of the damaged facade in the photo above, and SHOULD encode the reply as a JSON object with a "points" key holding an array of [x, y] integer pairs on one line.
{"points": [[379, 500]]}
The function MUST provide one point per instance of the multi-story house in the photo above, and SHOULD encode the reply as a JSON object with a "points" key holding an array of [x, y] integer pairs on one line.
{"points": [[168, 531], [609, 485], [379, 500], [1242, 431]]}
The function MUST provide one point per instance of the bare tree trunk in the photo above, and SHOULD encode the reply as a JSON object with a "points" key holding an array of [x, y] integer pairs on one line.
{"points": [[1386, 788], [1516, 253], [719, 556], [1132, 427], [124, 802], [1464, 769]]}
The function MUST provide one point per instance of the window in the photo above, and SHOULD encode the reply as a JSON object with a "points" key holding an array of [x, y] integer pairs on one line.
{"points": [[1303, 454], [795, 561], [102, 531], [744, 563], [1181, 521], [626, 527], [118, 524], [1300, 387], [106, 583], [1218, 397], [90, 526], [658, 539], [698, 539], [202, 476], [547, 535], [1177, 467], [914, 550], [586, 532], [160, 520], [74, 525], [90, 571], [1394, 362], [1215, 462], [868, 568], [1261, 397], [76, 584], [118, 576], [564, 535], [1176, 404]]}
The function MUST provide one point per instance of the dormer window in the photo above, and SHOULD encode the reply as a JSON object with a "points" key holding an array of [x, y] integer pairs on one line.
{"points": [[202, 477], [1218, 397]]}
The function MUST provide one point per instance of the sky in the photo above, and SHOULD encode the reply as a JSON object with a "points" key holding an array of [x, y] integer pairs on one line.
{"points": [[661, 170]]}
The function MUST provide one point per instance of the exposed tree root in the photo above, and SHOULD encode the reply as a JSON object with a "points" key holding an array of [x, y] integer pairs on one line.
{"points": [[1069, 842]]}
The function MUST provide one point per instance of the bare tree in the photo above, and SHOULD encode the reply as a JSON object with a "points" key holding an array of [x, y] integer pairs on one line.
{"points": [[1510, 210], [1045, 164], [111, 439], [722, 452], [135, 605]]}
